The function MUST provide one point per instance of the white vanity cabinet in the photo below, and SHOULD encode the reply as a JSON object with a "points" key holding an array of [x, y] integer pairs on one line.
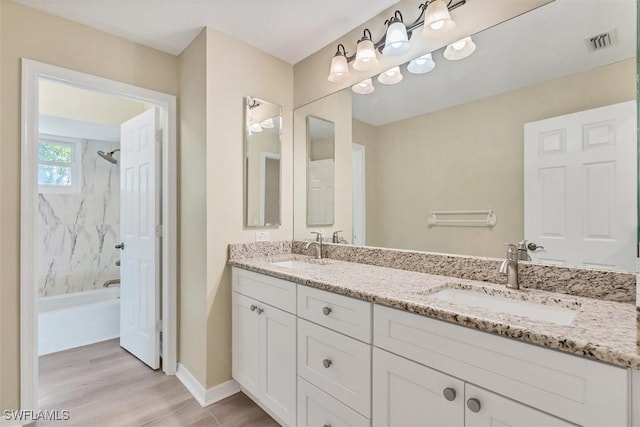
{"points": [[264, 344]]}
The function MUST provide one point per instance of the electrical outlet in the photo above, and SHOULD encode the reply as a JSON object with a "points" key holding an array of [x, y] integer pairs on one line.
{"points": [[262, 236]]}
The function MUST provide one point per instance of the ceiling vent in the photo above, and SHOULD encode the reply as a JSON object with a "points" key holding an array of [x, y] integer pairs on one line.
{"points": [[601, 41]]}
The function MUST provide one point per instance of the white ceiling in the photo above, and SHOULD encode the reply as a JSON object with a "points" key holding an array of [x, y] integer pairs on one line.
{"points": [[288, 29], [540, 45]]}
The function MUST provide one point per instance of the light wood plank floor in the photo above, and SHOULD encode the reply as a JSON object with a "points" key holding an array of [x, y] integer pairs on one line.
{"points": [[103, 385]]}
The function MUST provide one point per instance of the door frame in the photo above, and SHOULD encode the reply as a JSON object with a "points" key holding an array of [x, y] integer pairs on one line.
{"points": [[32, 72]]}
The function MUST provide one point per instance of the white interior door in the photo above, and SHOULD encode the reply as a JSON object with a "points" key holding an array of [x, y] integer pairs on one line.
{"points": [[359, 199], [139, 217], [580, 188], [321, 189]]}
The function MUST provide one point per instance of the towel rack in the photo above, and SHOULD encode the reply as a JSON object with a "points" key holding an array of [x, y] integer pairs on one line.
{"points": [[489, 219]]}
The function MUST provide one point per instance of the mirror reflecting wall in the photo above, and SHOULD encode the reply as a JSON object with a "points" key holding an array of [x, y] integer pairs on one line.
{"points": [[320, 171], [262, 148], [447, 168]]}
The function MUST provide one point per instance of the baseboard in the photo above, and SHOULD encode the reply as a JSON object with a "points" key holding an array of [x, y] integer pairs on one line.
{"points": [[206, 397]]}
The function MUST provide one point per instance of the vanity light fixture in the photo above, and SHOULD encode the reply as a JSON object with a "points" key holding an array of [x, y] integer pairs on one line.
{"points": [[391, 76], [366, 57], [397, 40], [437, 19], [460, 49], [364, 87], [422, 64], [339, 67]]}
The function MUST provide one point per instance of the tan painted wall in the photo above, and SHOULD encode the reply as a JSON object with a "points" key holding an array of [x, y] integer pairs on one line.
{"points": [[246, 72], [335, 108], [85, 105], [32, 34], [473, 159], [193, 210]]}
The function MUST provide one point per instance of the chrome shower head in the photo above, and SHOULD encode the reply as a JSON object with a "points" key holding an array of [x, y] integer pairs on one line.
{"points": [[108, 156]]}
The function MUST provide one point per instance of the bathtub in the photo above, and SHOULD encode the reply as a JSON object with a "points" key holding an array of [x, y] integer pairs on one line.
{"points": [[77, 319]]}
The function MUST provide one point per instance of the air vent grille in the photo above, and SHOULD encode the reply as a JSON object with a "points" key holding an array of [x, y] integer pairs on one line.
{"points": [[601, 41]]}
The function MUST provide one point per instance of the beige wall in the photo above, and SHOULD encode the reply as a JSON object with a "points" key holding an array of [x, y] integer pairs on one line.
{"points": [[193, 210], [246, 72], [86, 105], [337, 109], [471, 157], [32, 34]]}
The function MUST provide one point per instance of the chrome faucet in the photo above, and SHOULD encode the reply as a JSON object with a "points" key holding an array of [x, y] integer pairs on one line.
{"points": [[338, 239], [318, 243], [510, 266]]}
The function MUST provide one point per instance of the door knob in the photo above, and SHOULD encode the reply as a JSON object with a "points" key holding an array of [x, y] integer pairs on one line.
{"points": [[532, 246], [120, 246], [474, 405], [326, 311], [449, 394], [326, 363]]}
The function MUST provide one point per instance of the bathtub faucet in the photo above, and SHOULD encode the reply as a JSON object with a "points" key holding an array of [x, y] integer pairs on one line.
{"points": [[111, 282]]}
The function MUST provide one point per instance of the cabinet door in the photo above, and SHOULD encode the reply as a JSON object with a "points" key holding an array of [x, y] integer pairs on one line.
{"points": [[245, 330], [278, 362], [317, 408], [407, 394], [490, 409]]}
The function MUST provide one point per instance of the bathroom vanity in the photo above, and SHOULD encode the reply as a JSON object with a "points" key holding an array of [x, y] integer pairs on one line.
{"points": [[335, 343]]}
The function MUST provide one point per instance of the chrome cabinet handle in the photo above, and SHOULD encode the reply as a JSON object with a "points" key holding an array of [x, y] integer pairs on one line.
{"points": [[253, 307], [449, 394], [326, 363], [326, 425], [259, 310], [120, 246], [532, 246], [326, 311], [474, 405]]}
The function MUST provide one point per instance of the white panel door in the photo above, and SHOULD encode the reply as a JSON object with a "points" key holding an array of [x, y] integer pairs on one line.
{"points": [[139, 216], [278, 370], [407, 394], [321, 190], [580, 188], [359, 195], [486, 409], [245, 336]]}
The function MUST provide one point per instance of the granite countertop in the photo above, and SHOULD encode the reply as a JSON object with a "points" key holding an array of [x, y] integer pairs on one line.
{"points": [[601, 330]]}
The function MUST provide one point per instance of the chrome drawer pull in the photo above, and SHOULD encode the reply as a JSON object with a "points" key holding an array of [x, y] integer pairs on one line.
{"points": [[474, 405], [253, 307], [326, 363], [449, 394], [326, 311]]}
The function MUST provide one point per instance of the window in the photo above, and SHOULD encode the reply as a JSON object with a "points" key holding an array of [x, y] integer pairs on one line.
{"points": [[59, 164]]}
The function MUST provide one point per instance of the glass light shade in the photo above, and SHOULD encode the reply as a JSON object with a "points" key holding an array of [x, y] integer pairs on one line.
{"points": [[437, 20], [391, 76], [267, 124], [460, 49], [421, 65], [339, 69], [365, 56], [364, 87], [396, 41]]}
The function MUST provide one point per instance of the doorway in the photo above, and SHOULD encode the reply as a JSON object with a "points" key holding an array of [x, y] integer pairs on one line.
{"points": [[52, 164]]}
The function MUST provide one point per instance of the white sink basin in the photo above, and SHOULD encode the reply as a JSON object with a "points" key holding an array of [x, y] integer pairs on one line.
{"points": [[498, 304], [299, 264]]}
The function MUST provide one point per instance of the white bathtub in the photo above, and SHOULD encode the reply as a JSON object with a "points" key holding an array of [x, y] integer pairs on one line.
{"points": [[77, 319]]}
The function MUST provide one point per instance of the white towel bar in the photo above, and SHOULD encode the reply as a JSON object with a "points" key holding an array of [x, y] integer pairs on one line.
{"points": [[489, 220]]}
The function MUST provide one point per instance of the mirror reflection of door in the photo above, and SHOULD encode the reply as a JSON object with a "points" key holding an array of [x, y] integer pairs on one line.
{"points": [[262, 163], [320, 171]]}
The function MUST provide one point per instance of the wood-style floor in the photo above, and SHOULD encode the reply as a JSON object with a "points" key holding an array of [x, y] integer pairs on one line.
{"points": [[103, 385]]}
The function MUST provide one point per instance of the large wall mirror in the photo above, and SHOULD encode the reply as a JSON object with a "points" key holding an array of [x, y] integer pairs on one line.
{"points": [[262, 148], [533, 136]]}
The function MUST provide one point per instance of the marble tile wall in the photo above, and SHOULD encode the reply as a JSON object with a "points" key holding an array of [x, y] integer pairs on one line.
{"points": [[78, 232]]}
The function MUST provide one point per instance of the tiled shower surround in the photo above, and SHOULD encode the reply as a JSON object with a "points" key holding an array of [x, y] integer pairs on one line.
{"points": [[77, 232]]}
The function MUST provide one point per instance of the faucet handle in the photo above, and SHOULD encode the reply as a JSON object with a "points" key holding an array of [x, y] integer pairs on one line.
{"points": [[318, 235], [336, 236]]}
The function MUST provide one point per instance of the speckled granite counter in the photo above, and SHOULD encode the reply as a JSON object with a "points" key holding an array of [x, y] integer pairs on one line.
{"points": [[601, 330]]}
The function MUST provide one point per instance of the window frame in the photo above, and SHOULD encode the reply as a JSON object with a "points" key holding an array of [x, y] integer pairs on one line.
{"points": [[75, 165]]}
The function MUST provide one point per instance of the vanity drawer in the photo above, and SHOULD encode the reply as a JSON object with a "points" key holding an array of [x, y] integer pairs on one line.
{"points": [[336, 364], [317, 408], [343, 314], [570, 387], [269, 290]]}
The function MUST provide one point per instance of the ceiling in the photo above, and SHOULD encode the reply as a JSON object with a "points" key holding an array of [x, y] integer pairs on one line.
{"points": [[544, 44], [287, 29]]}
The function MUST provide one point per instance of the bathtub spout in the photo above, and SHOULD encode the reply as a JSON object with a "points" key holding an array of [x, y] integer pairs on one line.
{"points": [[111, 282]]}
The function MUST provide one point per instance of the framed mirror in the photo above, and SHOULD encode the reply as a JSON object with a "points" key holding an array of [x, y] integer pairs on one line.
{"points": [[536, 126], [320, 171], [262, 169]]}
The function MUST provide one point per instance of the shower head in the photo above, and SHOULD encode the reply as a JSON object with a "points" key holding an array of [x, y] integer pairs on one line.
{"points": [[109, 156]]}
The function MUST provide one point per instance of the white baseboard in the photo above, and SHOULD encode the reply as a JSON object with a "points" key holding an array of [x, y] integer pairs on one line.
{"points": [[206, 397]]}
